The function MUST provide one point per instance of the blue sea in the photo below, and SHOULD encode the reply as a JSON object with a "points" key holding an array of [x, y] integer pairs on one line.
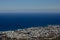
{"points": [[14, 21]]}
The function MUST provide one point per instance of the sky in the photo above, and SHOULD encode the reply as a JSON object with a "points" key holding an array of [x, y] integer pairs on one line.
{"points": [[29, 5]]}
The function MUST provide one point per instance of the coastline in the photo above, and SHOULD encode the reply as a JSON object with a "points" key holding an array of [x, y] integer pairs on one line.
{"points": [[49, 32]]}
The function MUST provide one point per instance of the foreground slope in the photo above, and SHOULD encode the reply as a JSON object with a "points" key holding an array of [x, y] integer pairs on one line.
{"points": [[51, 32]]}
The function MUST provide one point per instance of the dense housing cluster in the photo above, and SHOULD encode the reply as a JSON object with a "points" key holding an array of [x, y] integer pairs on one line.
{"points": [[51, 32]]}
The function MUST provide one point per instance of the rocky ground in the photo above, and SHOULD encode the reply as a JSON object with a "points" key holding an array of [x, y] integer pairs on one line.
{"points": [[51, 32]]}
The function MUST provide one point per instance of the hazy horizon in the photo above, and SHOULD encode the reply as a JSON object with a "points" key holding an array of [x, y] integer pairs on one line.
{"points": [[29, 6]]}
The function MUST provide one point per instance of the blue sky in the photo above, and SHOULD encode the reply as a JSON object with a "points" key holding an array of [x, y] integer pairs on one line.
{"points": [[25, 5]]}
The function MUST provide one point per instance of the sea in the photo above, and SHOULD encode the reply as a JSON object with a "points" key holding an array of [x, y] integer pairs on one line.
{"points": [[14, 21]]}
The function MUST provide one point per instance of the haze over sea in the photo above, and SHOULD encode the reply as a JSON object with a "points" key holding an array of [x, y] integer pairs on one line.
{"points": [[15, 21]]}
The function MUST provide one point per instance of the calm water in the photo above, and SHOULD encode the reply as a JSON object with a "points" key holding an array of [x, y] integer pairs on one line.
{"points": [[17, 20]]}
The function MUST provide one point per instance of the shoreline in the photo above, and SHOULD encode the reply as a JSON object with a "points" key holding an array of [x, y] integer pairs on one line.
{"points": [[49, 32], [28, 27]]}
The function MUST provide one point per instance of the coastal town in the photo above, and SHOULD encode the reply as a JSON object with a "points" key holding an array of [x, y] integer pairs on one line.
{"points": [[50, 32]]}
